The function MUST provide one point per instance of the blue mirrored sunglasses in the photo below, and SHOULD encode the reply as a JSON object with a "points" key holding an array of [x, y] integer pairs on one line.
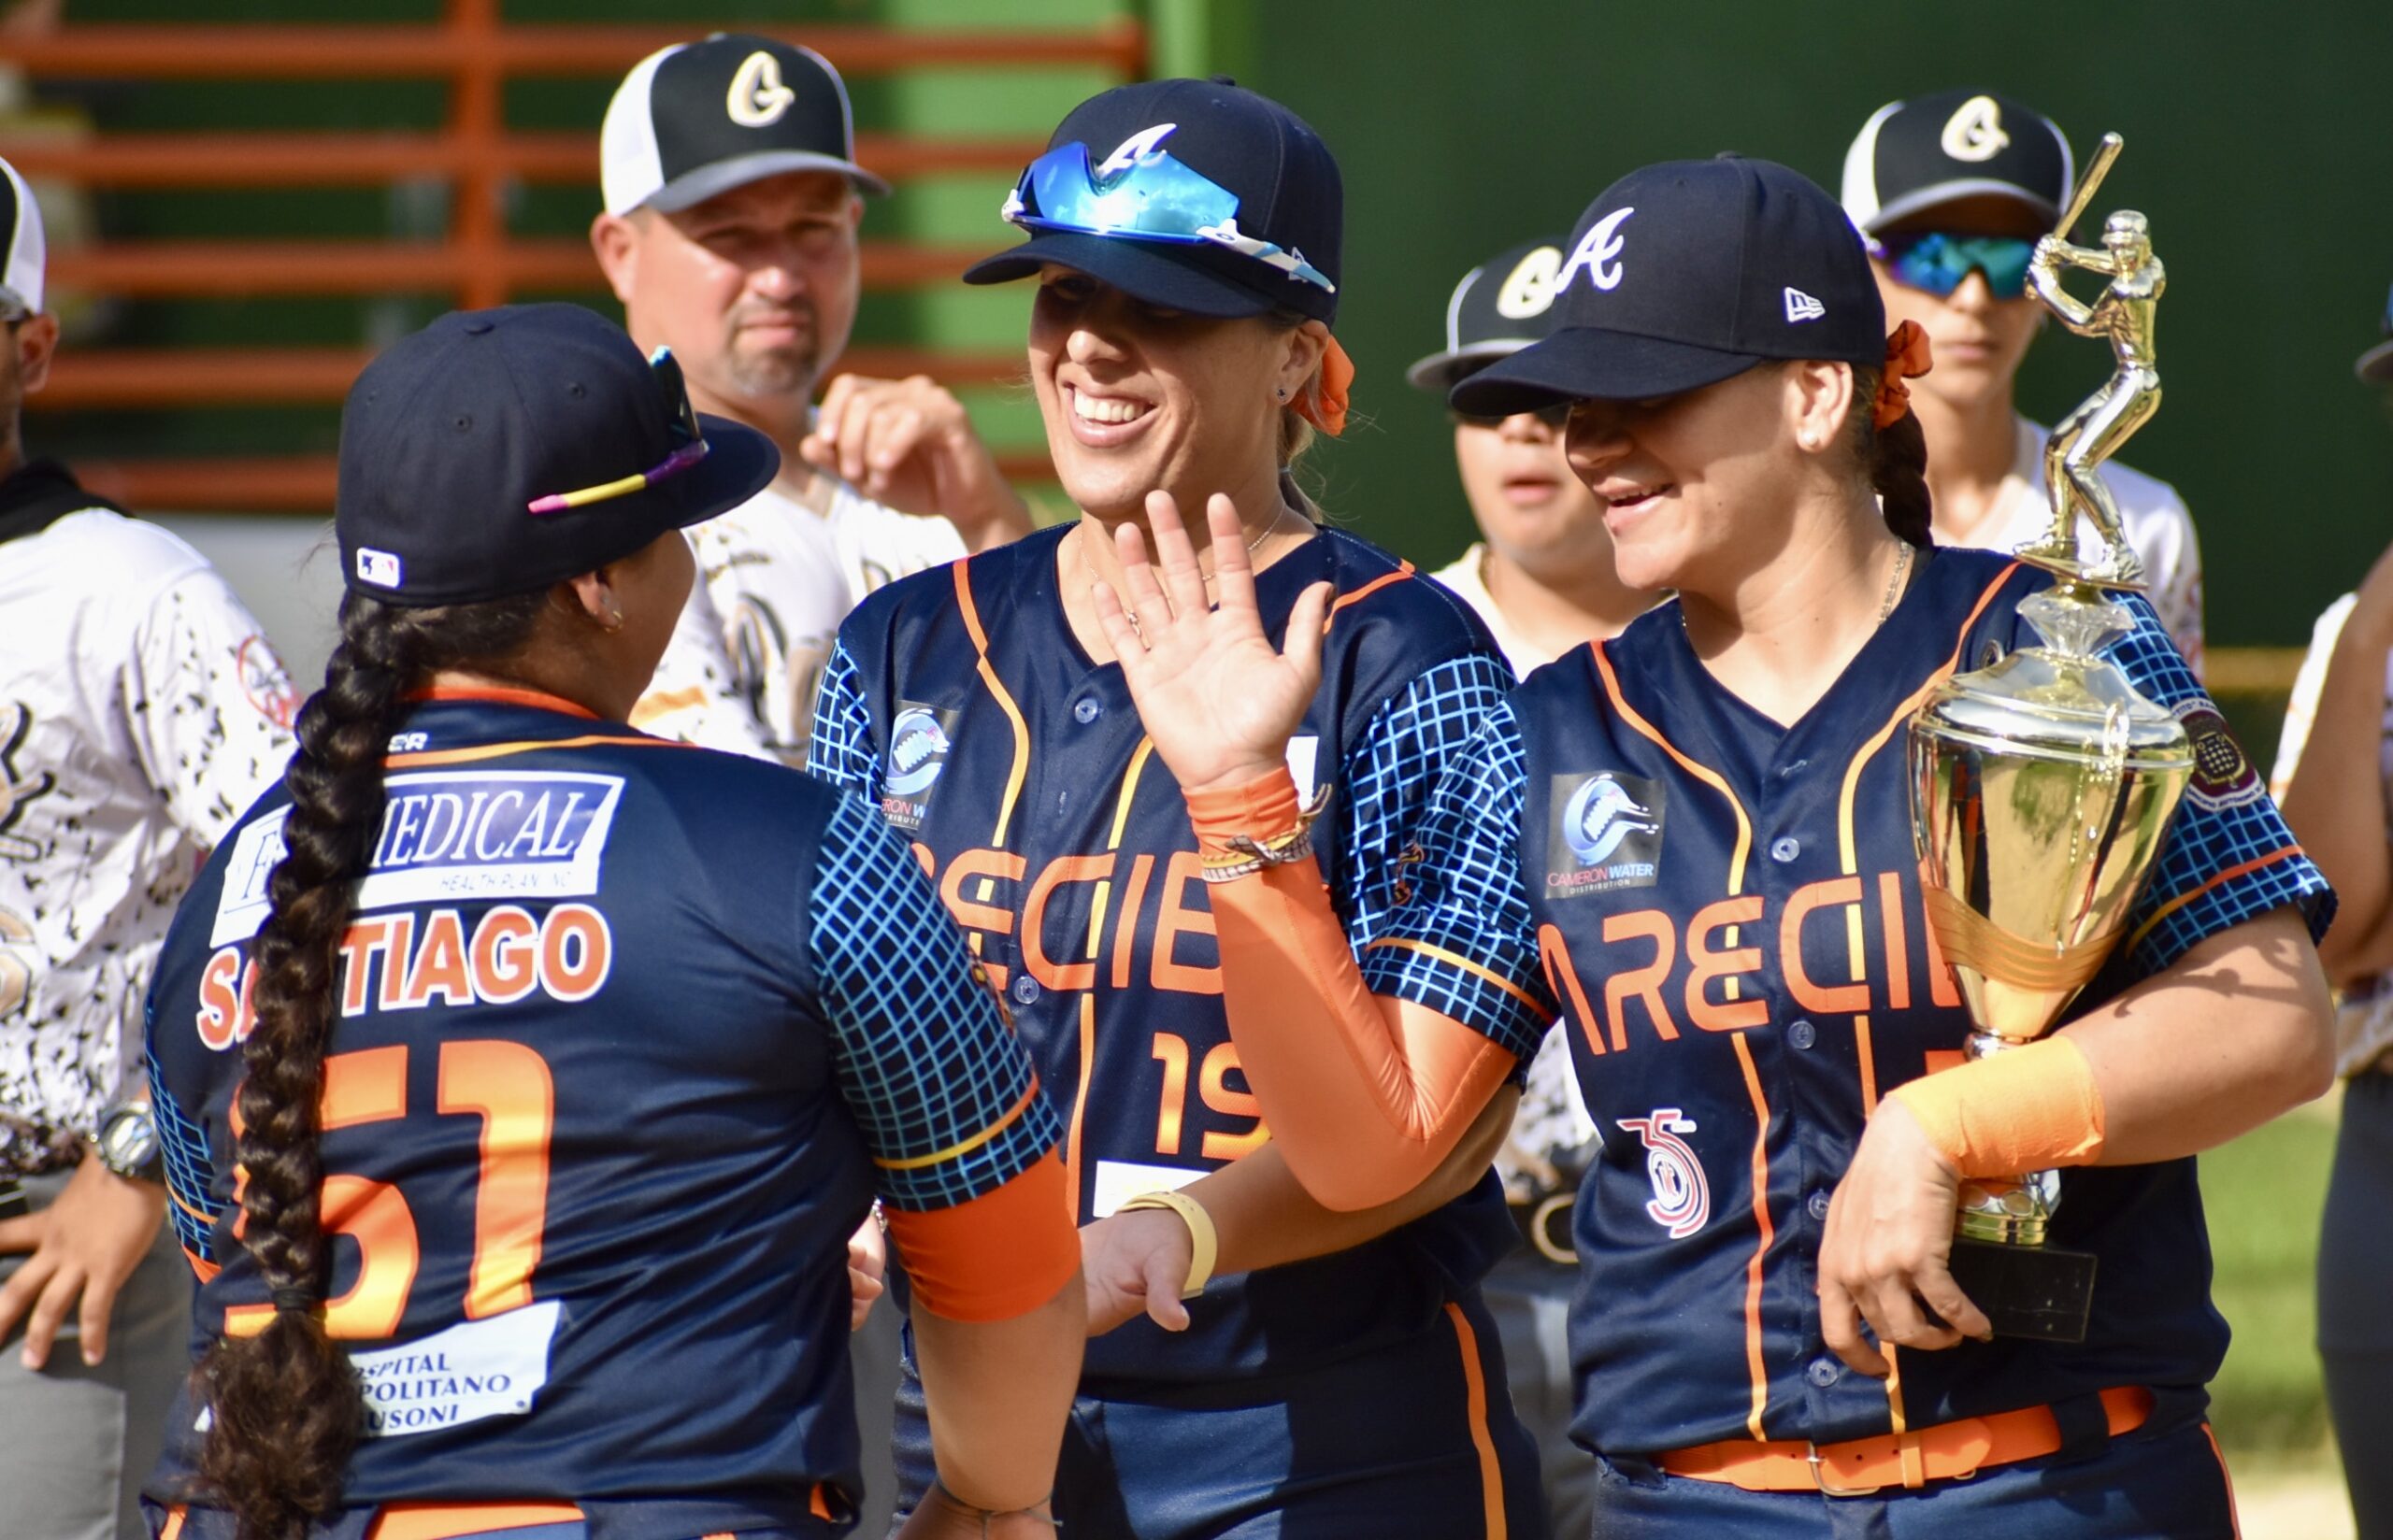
{"points": [[1149, 198], [1937, 263]]}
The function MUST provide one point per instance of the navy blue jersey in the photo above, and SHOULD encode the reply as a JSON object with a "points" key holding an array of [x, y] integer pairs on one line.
{"points": [[961, 700], [630, 1036], [1726, 915]]}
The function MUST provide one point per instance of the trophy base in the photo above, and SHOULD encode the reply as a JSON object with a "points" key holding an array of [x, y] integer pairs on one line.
{"points": [[2034, 1292]]}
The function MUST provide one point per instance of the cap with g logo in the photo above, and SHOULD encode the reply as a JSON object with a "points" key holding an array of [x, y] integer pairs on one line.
{"points": [[699, 119], [1500, 307], [497, 451], [1911, 156], [1685, 273]]}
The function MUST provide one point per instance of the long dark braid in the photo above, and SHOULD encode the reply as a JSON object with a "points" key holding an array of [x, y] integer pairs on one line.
{"points": [[286, 1404], [1897, 458]]}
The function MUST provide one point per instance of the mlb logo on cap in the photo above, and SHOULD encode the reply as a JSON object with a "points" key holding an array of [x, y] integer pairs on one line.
{"points": [[696, 120]]}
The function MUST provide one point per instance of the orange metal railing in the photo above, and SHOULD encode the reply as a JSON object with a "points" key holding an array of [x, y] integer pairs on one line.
{"points": [[479, 262]]}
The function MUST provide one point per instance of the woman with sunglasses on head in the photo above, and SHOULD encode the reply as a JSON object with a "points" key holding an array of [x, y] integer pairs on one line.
{"points": [[1950, 192], [522, 1077], [1266, 1366], [1542, 577], [1692, 844]]}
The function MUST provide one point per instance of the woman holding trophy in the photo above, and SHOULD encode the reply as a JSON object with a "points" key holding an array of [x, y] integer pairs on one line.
{"points": [[1690, 843]]}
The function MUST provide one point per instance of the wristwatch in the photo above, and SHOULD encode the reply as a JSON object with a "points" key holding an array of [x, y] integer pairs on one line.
{"points": [[127, 1142]]}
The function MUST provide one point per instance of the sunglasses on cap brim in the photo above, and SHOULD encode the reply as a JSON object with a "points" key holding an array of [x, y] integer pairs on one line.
{"points": [[689, 443], [1936, 262], [1148, 197]]}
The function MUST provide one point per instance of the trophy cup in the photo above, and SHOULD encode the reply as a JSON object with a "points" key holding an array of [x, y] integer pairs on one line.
{"points": [[2042, 787]]}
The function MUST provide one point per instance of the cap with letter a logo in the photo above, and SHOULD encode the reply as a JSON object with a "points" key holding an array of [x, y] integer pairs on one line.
{"points": [[1500, 307], [1684, 274], [1912, 156], [699, 119]]}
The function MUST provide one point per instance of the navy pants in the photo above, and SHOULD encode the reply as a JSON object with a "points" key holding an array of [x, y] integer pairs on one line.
{"points": [[1416, 1440], [1529, 1298], [2162, 1481], [2354, 1334]]}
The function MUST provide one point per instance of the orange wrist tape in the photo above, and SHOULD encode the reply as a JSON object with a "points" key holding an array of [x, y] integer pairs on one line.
{"points": [[2023, 1109], [995, 1257], [1263, 808]]}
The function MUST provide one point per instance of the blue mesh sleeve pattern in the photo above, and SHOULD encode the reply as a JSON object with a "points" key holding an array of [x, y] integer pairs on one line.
{"points": [[1437, 913], [191, 1173], [2229, 856], [841, 750], [940, 1087]]}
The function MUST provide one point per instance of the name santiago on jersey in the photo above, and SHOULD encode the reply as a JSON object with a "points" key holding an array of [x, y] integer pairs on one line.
{"points": [[453, 836]]}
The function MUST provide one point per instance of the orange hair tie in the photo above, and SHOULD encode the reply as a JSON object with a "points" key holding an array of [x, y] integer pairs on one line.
{"points": [[1326, 408], [1907, 358]]}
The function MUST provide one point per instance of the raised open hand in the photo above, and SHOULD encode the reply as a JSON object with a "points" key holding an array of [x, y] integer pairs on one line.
{"points": [[1217, 698]]}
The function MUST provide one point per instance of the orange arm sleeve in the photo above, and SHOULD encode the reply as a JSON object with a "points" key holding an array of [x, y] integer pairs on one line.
{"points": [[1364, 1094], [995, 1257]]}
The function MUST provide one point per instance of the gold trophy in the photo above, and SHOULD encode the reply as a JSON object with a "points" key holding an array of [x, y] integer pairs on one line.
{"points": [[2042, 787]]}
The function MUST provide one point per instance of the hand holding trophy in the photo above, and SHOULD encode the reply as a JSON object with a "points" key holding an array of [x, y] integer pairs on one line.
{"points": [[2042, 787]]}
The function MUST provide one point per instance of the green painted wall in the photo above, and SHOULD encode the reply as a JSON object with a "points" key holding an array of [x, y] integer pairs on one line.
{"points": [[2259, 140]]}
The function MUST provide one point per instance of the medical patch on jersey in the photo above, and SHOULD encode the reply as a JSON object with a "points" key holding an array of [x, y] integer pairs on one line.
{"points": [[450, 836], [473, 1370], [919, 741], [1606, 834], [2224, 775]]}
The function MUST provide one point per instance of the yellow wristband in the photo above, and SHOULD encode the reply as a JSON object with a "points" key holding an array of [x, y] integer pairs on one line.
{"points": [[1204, 1244], [2022, 1109]]}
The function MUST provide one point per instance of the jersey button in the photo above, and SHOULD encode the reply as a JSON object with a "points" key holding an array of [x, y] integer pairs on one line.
{"points": [[1802, 1033], [1817, 1204], [1085, 711], [1824, 1372], [1784, 848], [1026, 990]]}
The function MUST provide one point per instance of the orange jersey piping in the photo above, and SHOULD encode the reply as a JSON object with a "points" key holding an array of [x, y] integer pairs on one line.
{"points": [[988, 672]]}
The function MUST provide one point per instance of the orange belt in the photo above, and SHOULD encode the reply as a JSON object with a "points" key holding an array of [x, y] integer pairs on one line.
{"points": [[1949, 1451]]}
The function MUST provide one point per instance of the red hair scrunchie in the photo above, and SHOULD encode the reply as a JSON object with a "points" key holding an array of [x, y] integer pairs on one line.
{"points": [[1907, 358], [1326, 408]]}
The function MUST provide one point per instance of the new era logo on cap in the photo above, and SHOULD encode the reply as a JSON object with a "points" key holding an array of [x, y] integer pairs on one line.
{"points": [[1802, 306], [697, 120]]}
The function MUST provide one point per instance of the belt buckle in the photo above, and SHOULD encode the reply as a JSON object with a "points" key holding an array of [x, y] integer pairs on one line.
{"points": [[1820, 1479]]}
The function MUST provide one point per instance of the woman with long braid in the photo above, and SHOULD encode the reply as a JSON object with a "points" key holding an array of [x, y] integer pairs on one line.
{"points": [[522, 1077]]}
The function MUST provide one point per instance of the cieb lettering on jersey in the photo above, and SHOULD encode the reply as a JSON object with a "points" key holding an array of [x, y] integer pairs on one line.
{"points": [[448, 839]]}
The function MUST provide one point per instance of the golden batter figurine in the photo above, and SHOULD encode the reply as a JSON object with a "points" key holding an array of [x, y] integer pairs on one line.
{"points": [[2123, 313]]}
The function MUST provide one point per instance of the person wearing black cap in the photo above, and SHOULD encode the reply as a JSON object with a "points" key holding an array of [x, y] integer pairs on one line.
{"points": [[1950, 192], [1541, 575], [1265, 1365], [522, 1076], [2334, 774], [141, 708], [733, 198], [1692, 844]]}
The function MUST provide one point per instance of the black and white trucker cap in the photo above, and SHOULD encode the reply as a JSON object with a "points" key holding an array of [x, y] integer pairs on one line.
{"points": [[1916, 154], [1500, 307], [24, 252], [699, 119]]}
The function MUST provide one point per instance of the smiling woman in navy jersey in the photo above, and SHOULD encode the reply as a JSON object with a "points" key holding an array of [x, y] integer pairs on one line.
{"points": [[522, 1077], [1691, 843], [1329, 1375]]}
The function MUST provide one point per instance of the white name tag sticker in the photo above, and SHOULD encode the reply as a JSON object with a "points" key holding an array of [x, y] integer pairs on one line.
{"points": [[1119, 1181], [473, 1370], [242, 905], [1303, 755]]}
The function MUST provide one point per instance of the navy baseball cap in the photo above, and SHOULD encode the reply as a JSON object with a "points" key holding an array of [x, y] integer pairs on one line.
{"points": [[497, 451], [1684, 274], [1915, 155], [1197, 195], [1500, 307], [700, 119]]}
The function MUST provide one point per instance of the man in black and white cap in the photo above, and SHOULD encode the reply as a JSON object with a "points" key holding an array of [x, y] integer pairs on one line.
{"points": [[733, 198], [1951, 191], [142, 711]]}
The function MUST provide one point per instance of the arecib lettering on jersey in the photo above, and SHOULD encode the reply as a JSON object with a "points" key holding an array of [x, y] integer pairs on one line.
{"points": [[1061, 845]]}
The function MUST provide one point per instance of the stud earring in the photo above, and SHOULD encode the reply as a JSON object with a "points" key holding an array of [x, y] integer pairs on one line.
{"points": [[1284, 393]]}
